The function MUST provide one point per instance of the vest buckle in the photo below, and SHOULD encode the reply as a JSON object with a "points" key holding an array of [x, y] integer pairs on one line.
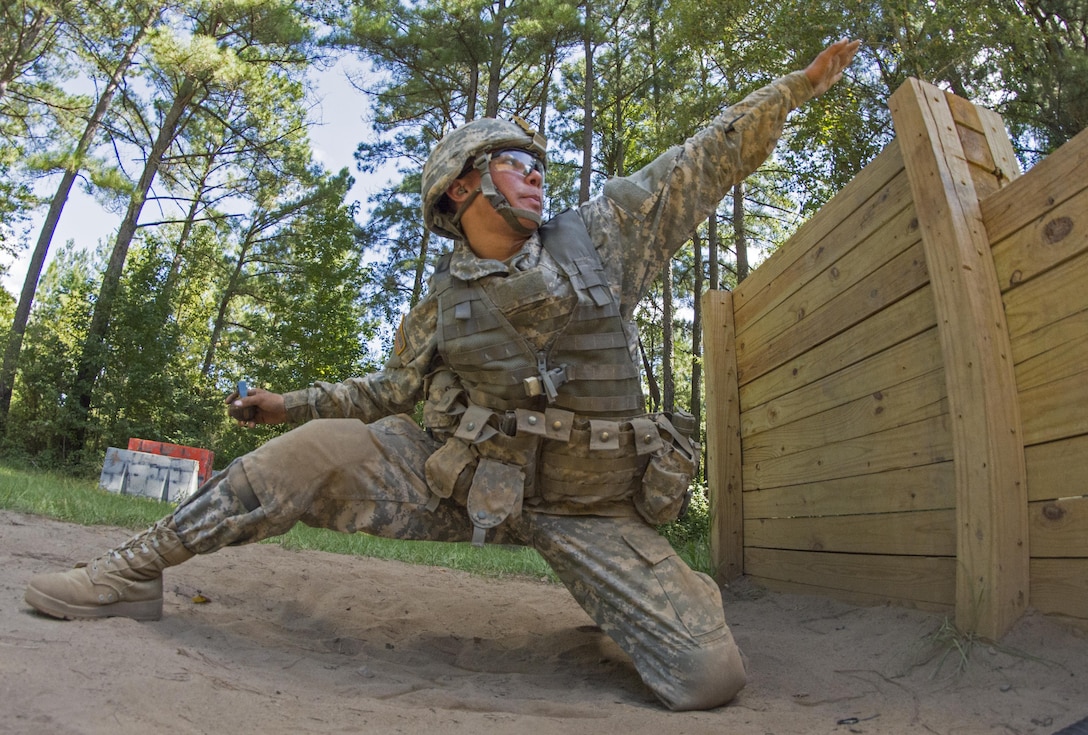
{"points": [[546, 382]]}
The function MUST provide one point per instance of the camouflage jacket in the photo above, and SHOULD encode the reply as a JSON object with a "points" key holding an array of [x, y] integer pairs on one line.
{"points": [[637, 223]]}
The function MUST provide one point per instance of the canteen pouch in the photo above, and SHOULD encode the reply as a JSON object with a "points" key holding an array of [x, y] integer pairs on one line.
{"points": [[496, 494], [449, 471], [666, 484]]}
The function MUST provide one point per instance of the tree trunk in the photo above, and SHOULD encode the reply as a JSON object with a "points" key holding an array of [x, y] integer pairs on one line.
{"points": [[473, 94], [229, 293], [494, 72], [587, 109], [421, 269], [49, 227], [93, 359], [668, 378], [697, 334], [651, 379], [740, 234], [712, 250]]}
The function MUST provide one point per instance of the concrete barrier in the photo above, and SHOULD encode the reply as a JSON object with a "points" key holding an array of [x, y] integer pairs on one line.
{"points": [[169, 479]]}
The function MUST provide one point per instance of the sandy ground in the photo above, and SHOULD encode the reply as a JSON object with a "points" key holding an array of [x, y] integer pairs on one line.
{"points": [[308, 642]]}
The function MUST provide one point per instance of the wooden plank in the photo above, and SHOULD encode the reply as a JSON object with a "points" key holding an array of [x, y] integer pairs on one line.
{"points": [[913, 400], [1060, 587], [1056, 410], [929, 579], [1006, 167], [1055, 469], [928, 487], [1045, 185], [807, 300], [893, 281], [723, 437], [920, 533], [903, 320], [1055, 236], [1049, 339], [918, 355], [986, 145], [1059, 528], [1054, 295], [992, 588], [858, 598], [866, 193], [1065, 360], [980, 162], [869, 237], [920, 443], [976, 149]]}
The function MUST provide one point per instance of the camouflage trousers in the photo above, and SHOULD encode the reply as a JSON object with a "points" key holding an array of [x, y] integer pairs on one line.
{"points": [[349, 476]]}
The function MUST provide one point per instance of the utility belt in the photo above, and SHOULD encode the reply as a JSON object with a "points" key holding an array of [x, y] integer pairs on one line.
{"points": [[557, 461]]}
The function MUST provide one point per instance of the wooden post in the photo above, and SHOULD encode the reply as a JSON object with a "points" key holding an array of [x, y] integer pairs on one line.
{"points": [[723, 468], [991, 487]]}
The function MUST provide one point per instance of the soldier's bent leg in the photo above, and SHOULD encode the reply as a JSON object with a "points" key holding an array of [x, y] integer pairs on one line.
{"points": [[667, 617]]}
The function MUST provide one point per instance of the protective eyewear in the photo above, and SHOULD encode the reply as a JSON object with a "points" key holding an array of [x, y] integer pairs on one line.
{"points": [[520, 161]]}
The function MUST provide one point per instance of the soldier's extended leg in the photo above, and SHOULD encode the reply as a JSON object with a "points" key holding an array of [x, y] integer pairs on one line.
{"points": [[125, 581], [336, 473], [668, 618]]}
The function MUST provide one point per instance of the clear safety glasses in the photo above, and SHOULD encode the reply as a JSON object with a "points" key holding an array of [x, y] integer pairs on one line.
{"points": [[520, 161]]}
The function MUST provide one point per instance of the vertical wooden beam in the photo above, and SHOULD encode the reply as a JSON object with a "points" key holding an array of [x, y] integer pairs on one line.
{"points": [[723, 468], [991, 486]]}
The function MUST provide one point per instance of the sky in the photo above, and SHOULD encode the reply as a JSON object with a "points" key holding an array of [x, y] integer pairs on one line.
{"points": [[340, 119]]}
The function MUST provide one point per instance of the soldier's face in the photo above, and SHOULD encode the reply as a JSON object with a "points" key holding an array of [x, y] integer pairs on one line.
{"points": [[520, 179], [522, 191]]}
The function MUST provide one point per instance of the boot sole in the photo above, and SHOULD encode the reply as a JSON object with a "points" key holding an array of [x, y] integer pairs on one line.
{"points": [[147, 610]]}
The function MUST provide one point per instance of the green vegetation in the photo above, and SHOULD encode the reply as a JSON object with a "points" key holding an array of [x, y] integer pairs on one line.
{"points": [[235, 252], [265, 267], [80, 501], [690, 535], [72, 499]]}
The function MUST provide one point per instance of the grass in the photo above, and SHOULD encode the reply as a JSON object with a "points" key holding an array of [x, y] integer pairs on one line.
{"points": [[76, 500], [81, 501], [948, 645], [73, 500]]}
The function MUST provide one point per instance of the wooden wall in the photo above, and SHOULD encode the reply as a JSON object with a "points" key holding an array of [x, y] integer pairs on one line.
{"points": [[865, 386], [1039, 232]]}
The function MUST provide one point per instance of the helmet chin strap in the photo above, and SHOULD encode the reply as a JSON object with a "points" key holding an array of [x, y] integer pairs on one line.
{"points": [[497, 200]]}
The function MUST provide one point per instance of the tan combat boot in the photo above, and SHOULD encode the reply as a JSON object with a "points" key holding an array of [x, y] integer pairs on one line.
{"points": [[123, 582]]}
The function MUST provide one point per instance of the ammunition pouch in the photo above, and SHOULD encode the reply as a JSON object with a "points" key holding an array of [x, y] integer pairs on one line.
{"points": [[495, 461]]}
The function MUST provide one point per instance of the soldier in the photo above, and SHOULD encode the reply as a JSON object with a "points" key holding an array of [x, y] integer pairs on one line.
{"points": [[523, 352]]}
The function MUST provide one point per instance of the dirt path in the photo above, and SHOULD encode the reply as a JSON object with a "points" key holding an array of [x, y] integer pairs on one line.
{"points": [[308, 642]]}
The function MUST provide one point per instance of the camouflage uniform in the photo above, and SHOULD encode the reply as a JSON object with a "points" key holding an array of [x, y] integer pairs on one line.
{"points": [[359, 463]]}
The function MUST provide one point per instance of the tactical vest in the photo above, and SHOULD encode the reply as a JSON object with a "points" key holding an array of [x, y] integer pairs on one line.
{"points": [[583, 366], [555, 404]]}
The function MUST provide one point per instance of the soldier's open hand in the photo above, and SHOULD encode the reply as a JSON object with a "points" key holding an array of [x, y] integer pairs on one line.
{"points": [[827, 68]]}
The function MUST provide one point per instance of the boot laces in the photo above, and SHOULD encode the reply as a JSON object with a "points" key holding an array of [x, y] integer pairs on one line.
{"points": [[127, 549]]}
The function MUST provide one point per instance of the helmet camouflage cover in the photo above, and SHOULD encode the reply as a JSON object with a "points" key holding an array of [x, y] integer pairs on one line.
{"points": [[466, 147]]}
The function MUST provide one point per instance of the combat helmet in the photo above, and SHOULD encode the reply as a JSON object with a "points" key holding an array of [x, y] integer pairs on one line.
{"points": [[470, 146]]}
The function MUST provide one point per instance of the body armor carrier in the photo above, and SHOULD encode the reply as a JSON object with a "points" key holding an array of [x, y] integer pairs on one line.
{"points": [[554, 415]]}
